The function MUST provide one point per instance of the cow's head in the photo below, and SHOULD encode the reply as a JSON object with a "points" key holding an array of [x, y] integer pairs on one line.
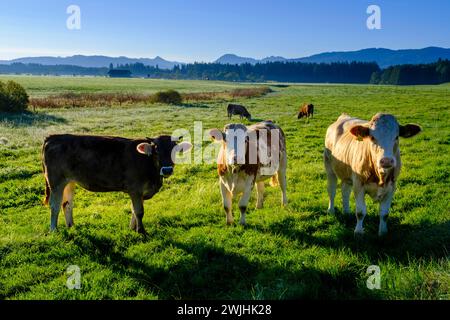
{"points": [[383, 133], [247, 115], [301, 114], [163, 150], [234, 143]]}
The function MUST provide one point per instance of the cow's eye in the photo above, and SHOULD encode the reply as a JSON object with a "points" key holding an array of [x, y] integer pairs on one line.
{"points": [[372, 138]]}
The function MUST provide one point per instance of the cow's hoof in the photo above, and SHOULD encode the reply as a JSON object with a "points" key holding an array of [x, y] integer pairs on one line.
{"points": [[382, 234], [359, 234], [142, 232]]}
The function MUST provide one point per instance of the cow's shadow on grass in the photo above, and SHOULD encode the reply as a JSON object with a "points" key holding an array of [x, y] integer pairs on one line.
{"points": [[28, 119], [426, 241], [194, 105], [255, 120], [213, 273]]}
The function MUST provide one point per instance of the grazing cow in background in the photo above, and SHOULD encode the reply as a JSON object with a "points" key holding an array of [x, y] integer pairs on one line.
{"points": [[236, 109], [243, 161], [365, 155], [306, 110], [106, 164]]}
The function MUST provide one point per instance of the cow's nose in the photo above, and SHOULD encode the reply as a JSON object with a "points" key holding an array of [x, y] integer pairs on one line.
{"points": [[387, 163], [166, 171]]}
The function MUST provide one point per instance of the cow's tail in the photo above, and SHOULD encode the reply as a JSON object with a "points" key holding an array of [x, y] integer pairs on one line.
{"points": [[274, 181]]}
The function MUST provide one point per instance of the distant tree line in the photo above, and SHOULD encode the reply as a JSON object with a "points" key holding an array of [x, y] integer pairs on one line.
{"points": [[339, 72], [342, 72], [409, 74], [58, 70]]}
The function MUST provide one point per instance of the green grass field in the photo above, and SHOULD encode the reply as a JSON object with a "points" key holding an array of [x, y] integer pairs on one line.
{"points": [[284, 253]]}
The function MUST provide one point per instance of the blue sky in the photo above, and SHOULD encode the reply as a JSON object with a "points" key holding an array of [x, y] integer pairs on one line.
{"points": [[202, 30]]}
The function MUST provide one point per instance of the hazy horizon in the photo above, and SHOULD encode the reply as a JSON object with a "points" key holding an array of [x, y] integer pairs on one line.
{"points": [[154, 57]]}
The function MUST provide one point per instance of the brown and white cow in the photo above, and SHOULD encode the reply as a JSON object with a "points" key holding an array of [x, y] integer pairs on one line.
{"points": [[307, 110], [365, 155], [249, 156], [106, 164]]}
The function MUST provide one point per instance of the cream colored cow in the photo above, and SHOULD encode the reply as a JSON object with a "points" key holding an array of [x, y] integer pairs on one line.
{"points": [[365, 155]]}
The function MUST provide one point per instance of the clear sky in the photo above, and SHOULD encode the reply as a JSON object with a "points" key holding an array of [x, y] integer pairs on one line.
{"points": [[203, 30]]}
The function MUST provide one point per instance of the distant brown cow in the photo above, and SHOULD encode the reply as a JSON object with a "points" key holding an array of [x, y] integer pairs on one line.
{"points": [[306, 110], [236, 109]]}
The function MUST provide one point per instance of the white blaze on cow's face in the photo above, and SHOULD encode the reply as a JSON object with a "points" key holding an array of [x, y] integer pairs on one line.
{"points": [[383, 132], [235, 138]]}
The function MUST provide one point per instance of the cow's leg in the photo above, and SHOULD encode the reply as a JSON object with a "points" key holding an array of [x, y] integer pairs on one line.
{"points": [[227, 201], [67, 203], [331, 184], [243, 203], [385, 205], [346, 190], [138, 212], [260, 194], [361, 209], [282, 180], [56, 197], [133, 222]]}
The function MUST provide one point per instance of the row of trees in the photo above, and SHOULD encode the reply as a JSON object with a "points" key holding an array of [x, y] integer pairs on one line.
{"points": [[408, 74], [39, 69], [342, 72]]}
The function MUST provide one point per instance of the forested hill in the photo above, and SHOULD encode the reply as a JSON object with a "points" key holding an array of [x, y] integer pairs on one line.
{"points": [[410, 74], [339, 72], [342, 72]]}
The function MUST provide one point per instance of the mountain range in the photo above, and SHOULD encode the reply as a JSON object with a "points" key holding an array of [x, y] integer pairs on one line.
{"points": [[383, 57]]}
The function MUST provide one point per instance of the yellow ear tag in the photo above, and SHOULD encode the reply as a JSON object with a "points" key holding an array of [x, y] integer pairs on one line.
{"points": [[360, 138]]}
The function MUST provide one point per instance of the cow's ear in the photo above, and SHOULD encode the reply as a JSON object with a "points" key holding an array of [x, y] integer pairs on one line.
{"points": [[409, 130], [177, 139], [217, 135], [184, 147], [360, 131], [144, 148]]}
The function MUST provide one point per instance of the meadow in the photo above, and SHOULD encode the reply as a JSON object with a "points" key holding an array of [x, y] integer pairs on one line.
{"points": [[296, 252]]}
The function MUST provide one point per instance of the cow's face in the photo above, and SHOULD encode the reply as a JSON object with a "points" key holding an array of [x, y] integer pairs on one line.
{"points": [[234, 140], [383, 133], [248, 116], [163, 150], [300, 115]]}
